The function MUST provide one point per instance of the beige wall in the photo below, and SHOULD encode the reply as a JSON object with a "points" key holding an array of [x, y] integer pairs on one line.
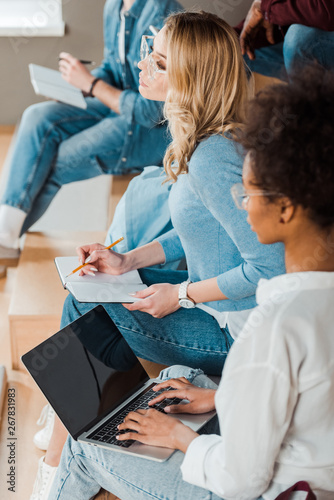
{"points": [[83, 38]]}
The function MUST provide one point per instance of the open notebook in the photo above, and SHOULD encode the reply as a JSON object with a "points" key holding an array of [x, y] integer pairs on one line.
{"points": [[99, 288], [49, 83]]}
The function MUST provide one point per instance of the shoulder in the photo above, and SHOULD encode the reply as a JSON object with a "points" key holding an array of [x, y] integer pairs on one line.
{"points": [[161, 7], [288, 322], [217, 154]]}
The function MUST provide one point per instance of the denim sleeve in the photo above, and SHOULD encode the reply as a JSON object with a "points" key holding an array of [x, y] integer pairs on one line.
{"points": [[142, 111], [104, 71], [218, 167], [171, 245]]}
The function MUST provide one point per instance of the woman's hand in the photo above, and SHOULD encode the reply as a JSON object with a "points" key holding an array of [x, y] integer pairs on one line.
{"points": [[101, 259], [157, 300], [74, 72], [156, 429], [200, 400]]}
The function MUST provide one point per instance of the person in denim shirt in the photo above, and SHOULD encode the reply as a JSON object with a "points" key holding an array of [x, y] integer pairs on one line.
{"points": [[119, 132]]}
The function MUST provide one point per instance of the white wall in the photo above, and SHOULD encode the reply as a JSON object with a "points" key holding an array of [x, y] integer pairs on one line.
{"points": [[83, 38]]}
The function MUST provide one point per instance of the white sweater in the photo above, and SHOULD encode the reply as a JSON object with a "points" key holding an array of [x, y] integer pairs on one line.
{"points": [[276, 399]]}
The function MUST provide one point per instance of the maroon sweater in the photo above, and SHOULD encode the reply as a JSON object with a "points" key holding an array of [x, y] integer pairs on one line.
{"points": [[313, 13], [283, 13]]}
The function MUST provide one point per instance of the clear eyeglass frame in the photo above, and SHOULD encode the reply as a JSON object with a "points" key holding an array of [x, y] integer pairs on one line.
{"points": [[241, 196], [145, 52]]}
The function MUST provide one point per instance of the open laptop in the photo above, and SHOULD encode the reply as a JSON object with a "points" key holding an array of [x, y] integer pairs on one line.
{"points": [[90, 398]]}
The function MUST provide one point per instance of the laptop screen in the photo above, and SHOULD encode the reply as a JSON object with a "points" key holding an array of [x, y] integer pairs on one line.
{"points": [[79, 387]]}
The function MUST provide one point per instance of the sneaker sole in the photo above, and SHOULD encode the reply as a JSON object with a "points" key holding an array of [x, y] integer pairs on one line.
{"points": [[40, 446]]}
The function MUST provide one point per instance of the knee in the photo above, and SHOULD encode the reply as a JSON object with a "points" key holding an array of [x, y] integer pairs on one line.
{"points": [[178, 371], [70, 311], [39, 116], [298, 45]]}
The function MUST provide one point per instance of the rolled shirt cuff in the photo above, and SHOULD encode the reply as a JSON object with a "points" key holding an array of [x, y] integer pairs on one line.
{"points": [[193, 465], [171, 246]]}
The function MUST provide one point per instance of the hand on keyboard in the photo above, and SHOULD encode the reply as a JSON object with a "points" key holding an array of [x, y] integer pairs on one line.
{"points": [[200, 400], [156, 429]]}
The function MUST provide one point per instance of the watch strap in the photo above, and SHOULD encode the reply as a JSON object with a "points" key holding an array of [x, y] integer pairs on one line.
{"points": [[183, 289]]}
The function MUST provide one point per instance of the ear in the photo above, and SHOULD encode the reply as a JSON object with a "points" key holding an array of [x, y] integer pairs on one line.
{"points": [[288, 211]]}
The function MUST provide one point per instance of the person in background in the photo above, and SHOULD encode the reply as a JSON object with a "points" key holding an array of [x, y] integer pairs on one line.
{"points": [[119, 132], [280, 35], [186, 317], [275, 402]]}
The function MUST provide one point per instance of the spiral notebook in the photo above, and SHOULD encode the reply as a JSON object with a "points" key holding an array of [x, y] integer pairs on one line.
{"points": [[100, 288]]}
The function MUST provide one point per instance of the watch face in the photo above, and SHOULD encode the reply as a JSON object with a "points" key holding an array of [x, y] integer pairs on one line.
{"points": [[188, 304]]}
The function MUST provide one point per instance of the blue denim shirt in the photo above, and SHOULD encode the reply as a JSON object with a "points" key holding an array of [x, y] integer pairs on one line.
{"points": [[212, 233], [140, 119]]}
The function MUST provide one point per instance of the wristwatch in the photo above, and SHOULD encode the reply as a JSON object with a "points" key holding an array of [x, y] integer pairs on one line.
{"points": [[184, 300]]}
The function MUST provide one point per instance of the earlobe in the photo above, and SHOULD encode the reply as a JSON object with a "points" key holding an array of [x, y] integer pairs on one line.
{"points": [[287, 211]]}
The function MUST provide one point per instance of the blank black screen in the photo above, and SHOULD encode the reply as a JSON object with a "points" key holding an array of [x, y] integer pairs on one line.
{"points": [[79, 387]]}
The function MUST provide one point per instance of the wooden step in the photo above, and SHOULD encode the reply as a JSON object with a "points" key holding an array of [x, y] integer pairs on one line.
{"points": [[119, 183], [38, 296], [3, 386], [261, 81]]}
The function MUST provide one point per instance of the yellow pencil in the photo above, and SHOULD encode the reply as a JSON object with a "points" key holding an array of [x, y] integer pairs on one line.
{"points": [[88, 258]]}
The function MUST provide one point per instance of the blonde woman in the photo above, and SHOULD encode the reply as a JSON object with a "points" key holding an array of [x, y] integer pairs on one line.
{"points": [[188, 317]]}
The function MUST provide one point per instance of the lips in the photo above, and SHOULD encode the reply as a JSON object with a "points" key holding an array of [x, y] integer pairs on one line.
{"points": [[141, 82]]}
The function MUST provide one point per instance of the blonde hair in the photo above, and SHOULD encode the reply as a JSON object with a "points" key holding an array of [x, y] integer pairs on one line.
{"points": [[207, 84]]}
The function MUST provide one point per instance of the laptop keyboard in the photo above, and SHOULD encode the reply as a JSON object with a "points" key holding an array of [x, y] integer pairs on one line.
{"points": [[108, 431]]}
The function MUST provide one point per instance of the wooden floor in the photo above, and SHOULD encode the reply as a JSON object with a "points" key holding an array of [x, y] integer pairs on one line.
{"points": [[28, 398]]}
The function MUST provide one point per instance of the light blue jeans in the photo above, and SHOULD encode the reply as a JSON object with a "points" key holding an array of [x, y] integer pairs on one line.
{"points": [[302, 45], [186, 337], [58, 144], [84, 469]]}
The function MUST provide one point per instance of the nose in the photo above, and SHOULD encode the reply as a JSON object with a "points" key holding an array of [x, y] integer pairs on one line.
{"points": [[142, 64]]}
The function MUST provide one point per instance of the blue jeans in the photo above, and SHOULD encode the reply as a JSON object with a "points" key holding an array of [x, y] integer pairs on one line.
{"points": [[302, 45], [187, 337], [58, 144], [84, 469]]}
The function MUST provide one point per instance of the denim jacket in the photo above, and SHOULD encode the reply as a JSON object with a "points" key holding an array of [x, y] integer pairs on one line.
{"points": [[140, 119]]}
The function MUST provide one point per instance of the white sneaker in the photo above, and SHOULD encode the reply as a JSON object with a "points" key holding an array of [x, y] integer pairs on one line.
{"points": [[42, 438], [44, 480]]}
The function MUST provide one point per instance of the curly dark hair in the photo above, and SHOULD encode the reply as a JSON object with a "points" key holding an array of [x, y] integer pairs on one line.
{"points": [[289, 132]]}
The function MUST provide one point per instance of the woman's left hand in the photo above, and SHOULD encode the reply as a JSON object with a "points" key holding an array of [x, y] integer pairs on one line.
{"points": [[156, 429], [157, 300], [74, 72]]}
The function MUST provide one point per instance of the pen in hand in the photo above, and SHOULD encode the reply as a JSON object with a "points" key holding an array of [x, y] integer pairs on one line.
{"points": [[87, 261], [83, 61]]}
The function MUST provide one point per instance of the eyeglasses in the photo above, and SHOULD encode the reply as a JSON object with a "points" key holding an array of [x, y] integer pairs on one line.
{"points": [[146, 51], [241, 196]]}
